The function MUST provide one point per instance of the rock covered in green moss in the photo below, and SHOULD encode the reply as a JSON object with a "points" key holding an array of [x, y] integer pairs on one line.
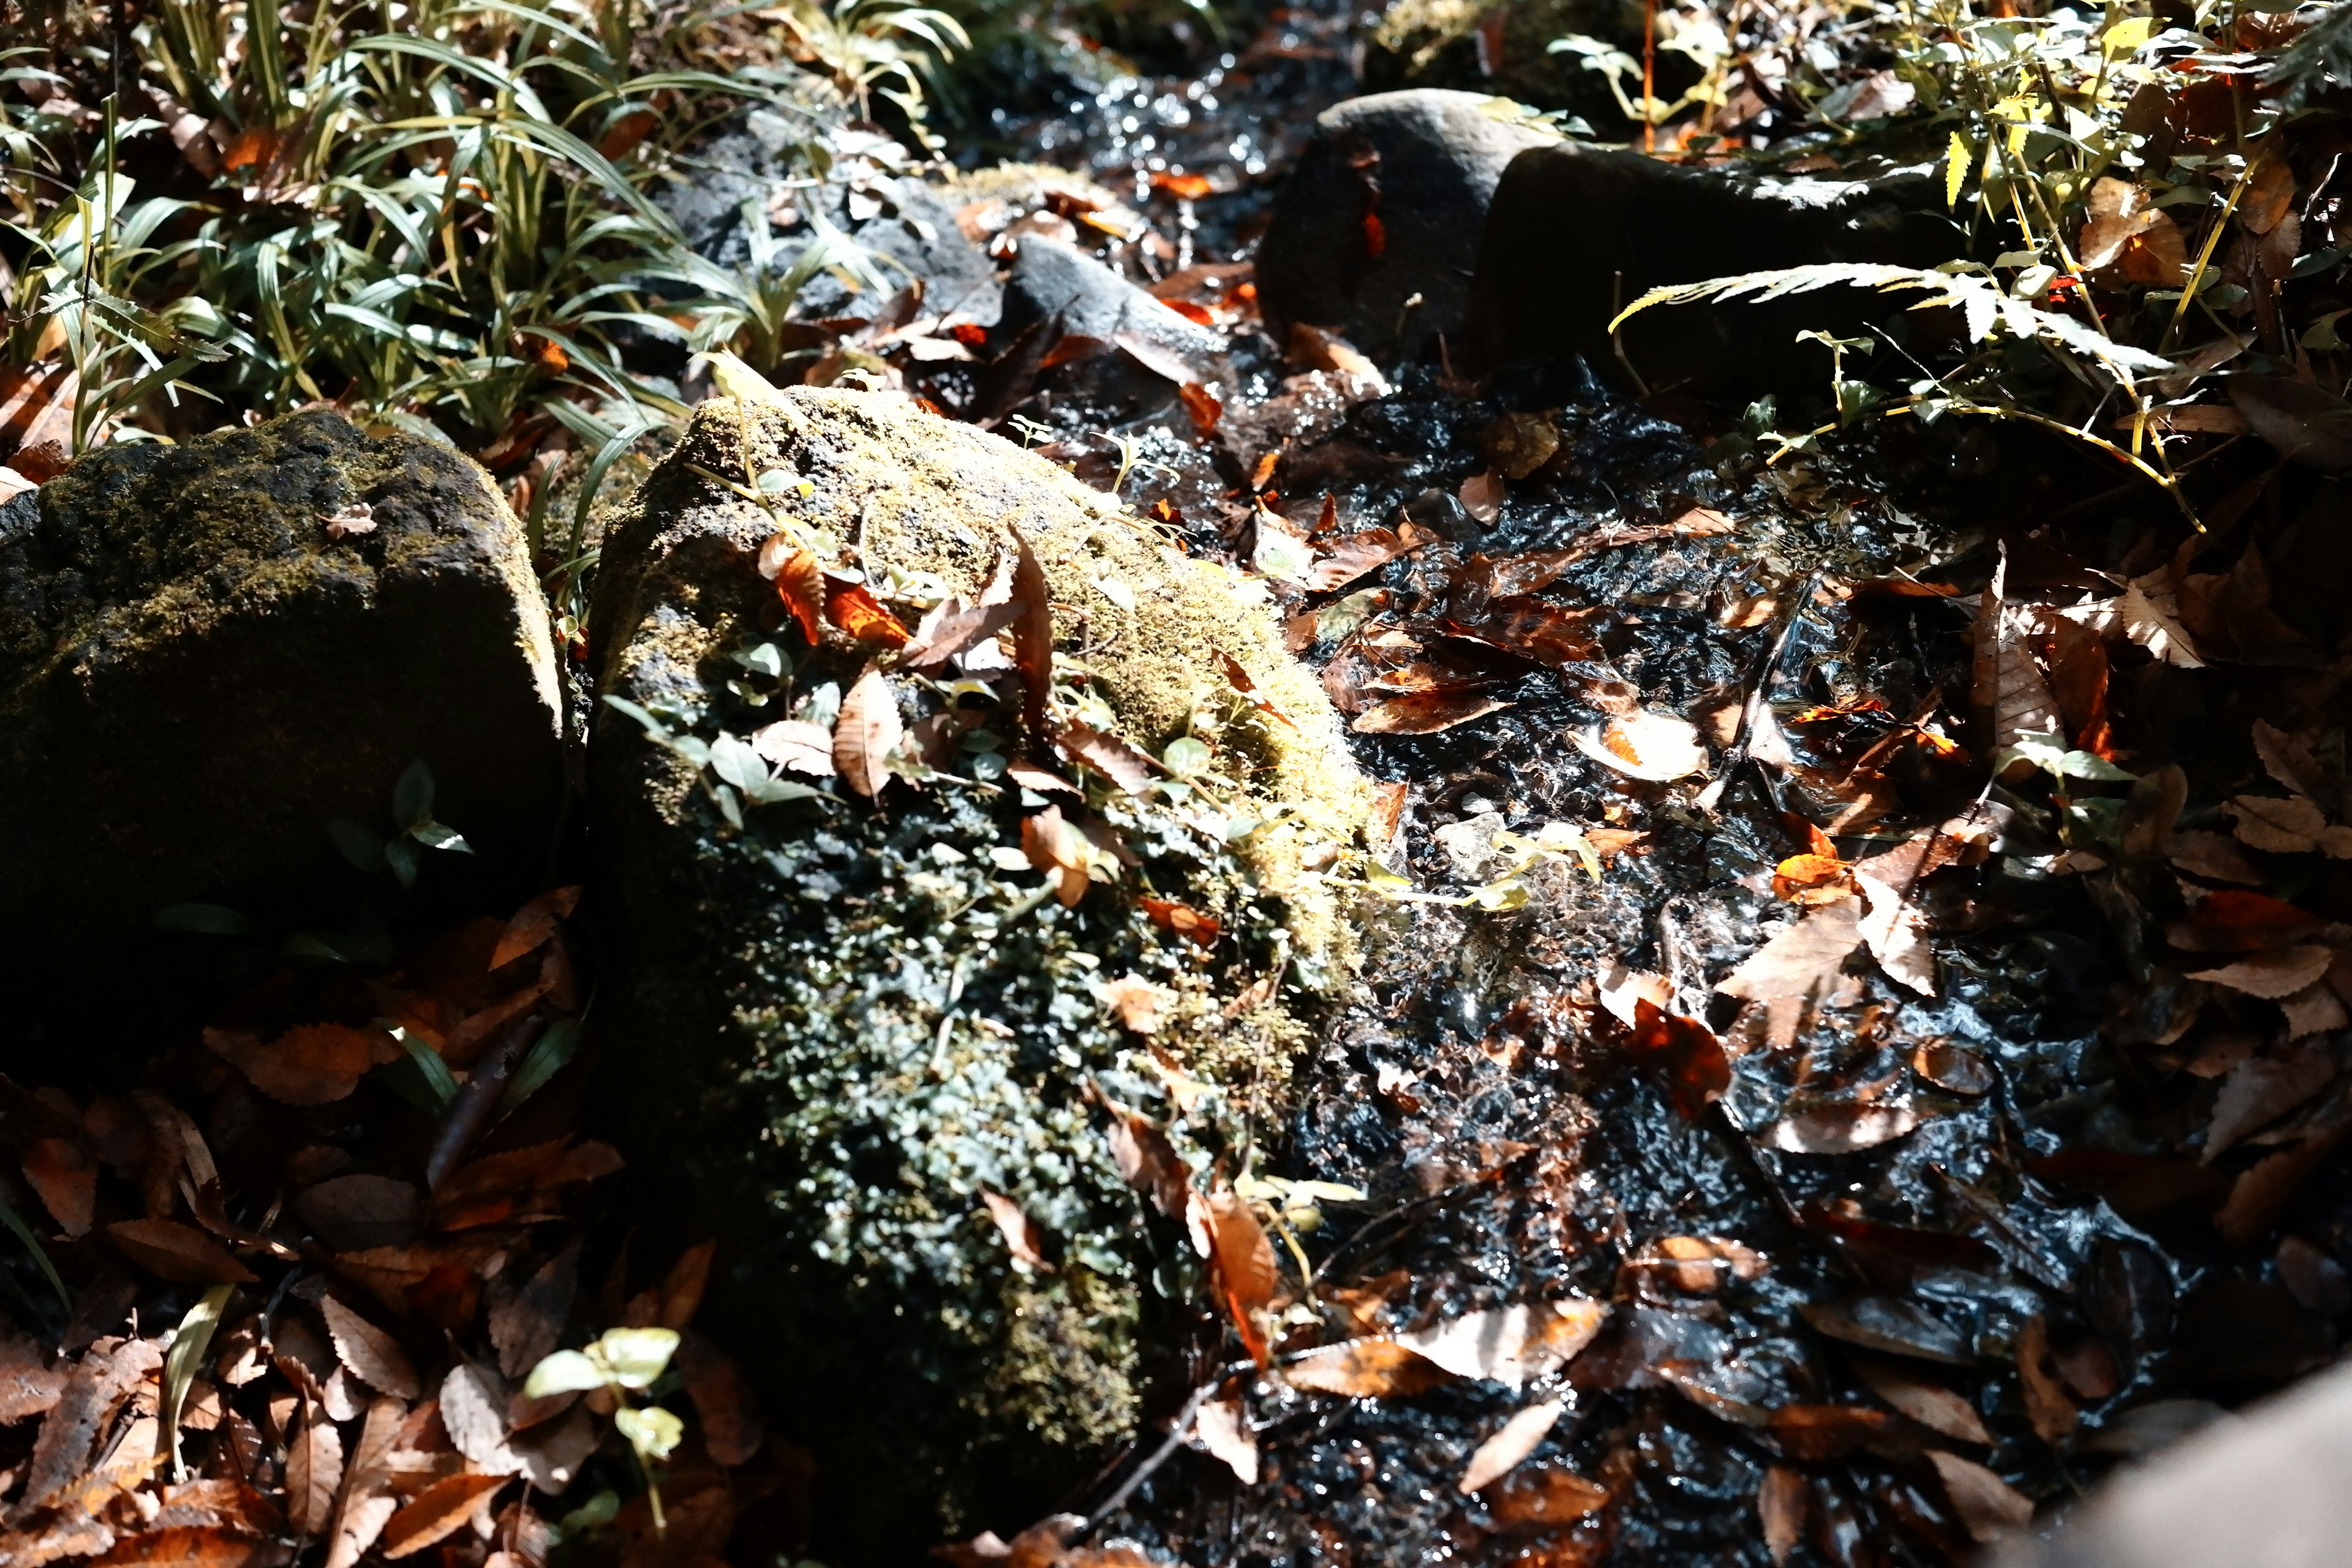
{"points": [[837, 1026], [209, 650]]}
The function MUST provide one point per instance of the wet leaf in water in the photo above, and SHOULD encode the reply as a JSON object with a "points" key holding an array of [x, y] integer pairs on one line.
{"points": [[1482, 496], [1343, 561], [1511, 1344], [1697, 1072], [1780, 1508], [1989, 1506], [1931, 1404], [1533, 630], [1544, 1499], [1374, 1367], [1426, 712], [1516, 445], [1842, 1129], [1656, 747], [1886, 1323], [1800, 967], [2054, 1415], [1825, 1431], [1224, 1429], [1512, 1442]]}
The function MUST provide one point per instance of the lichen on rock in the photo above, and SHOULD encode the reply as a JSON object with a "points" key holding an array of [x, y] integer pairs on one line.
{"points": [[844, 1024]]}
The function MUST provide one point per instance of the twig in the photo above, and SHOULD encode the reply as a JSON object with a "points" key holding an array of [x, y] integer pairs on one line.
{"points": [[1177, 1432]]}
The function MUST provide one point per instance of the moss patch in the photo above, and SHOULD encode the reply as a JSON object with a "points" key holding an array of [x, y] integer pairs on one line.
{"points": [[842, 1022]]}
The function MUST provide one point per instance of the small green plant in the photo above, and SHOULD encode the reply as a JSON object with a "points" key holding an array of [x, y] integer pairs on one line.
{"points": [[622, 1363]]}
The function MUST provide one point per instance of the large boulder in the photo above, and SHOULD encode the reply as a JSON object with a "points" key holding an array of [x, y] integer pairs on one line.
{"points": [[1507, 50], [1416, 169], [1576, 233], [860, 1037], [208, 651], [1052, 281]]}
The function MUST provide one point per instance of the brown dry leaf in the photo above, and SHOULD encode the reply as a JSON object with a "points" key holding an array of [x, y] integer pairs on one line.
{"points": [[94, 1390], [1531, 628], [1374, 1367], [1343, 562], [1237, 676], [1426, 712], [1798, 968], [474, 1404], [313, 1064], [1546, 1498], [2289, 826], [1224, 1429], [367, 1503], [533, 924], [867, 733], [682, 1288], [2281, 971], [2118, 211], [30, 1386], [2214, 857], [1482, 495], [723, 1400], [2009, 692], [1895, 932], [799, 578], [1891, 1324], [527, 1325], [2054, 1415], [1183, 920], [1825, 1431], [177, 1252], [1060, 851], [2261, 1090], [1516, 445], [1698, 1071], [1842, 1129], [1022, 1236], [1511, 1344], [61, 1171], [1512, 1442], [374, 1357], [1657, 747], [1200, 406], [1245, 1271], [1989, 1506], [437, 1512], [314, 1472], [797, 746], [956, 623], [1811, 879], [1931, 1404], [853, 607], [1780, 1508], [1107, 755], [1032, 640], [1701, 1264], [1139, 1003], [1317, 349], [2268, 196], [2149, 613]]}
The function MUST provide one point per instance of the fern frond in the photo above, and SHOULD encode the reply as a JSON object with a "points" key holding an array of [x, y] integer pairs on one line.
{"points": [[1981, 299]]}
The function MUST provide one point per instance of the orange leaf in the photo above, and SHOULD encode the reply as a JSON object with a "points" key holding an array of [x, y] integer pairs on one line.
{"points": [[1183, 187], [175, 1251], [1812, 880], [1375, 1367], [1244, 1267], [1193, 311], [849, 606], [1199, 401], [1023, 1238], [1032, 640], [800, 582], [532, 925], [867, 730], [1698, 1072], [1183, 920], [626, 133], [1426, 712], [312, 1063], [437, 1511], [65, 1175], [187, 1546], [1376, 235], [251, 145]]}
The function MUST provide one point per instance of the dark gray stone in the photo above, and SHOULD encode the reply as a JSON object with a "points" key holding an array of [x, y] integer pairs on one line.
{"points": [[1576, 233], [1425, 163], [909, 226], [195, 677], [1053, 280]]}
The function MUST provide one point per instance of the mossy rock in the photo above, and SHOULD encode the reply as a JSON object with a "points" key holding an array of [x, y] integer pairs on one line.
{"points": [[196, 675], [1436, 43], [831, 1028]]}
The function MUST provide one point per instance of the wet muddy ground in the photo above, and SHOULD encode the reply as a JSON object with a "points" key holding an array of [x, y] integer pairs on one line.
{"points": [[1889, 1244]]}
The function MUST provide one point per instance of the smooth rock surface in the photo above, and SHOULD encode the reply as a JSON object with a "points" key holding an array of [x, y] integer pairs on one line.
{"points": [[1425, 163], [829, 1031], [195, 676], [1575, 234], [1052, 280]]}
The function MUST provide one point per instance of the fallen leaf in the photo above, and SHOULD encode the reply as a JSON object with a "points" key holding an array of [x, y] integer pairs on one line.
{"points": [[867, 730], [723, 1400], [1224, 1429], [855, 609], [1842, 1129], [1810, 879], [1201, 407], [1987, 1506], [177, 1252], [367, 1503], [1343, 562], [1645, 744], [797, 746], [1931, 1404], [1780, 1508], [312, 1063], [61, 1171], [533, 924], [1183, 920], [314, 1472], [2149, 613], [1516, 445], [2009, 693], [955, 624], [1107, 755], [1147, 1161], [2281, 971], [1139, 1004], [30, 1386], [374, 1357], [1246, 1272], [800, 583], [1022, 1236], [1238, 677], [436, 1514], [527, 1324], [2118, 211], [1890, 1324], [1058, 849], [1895, 932], [1317, 349], [2054, 1415], [2261, 1090], [1698, 1071], [2289, 826], [1512, 1442], [1825, 1431], [1531, 628], [1542, 1499], [1482, 496], [1511, 1344], [1373, 1367], [1798, 967], [1700, 1265], [1032, 640], [1426, 712]]}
